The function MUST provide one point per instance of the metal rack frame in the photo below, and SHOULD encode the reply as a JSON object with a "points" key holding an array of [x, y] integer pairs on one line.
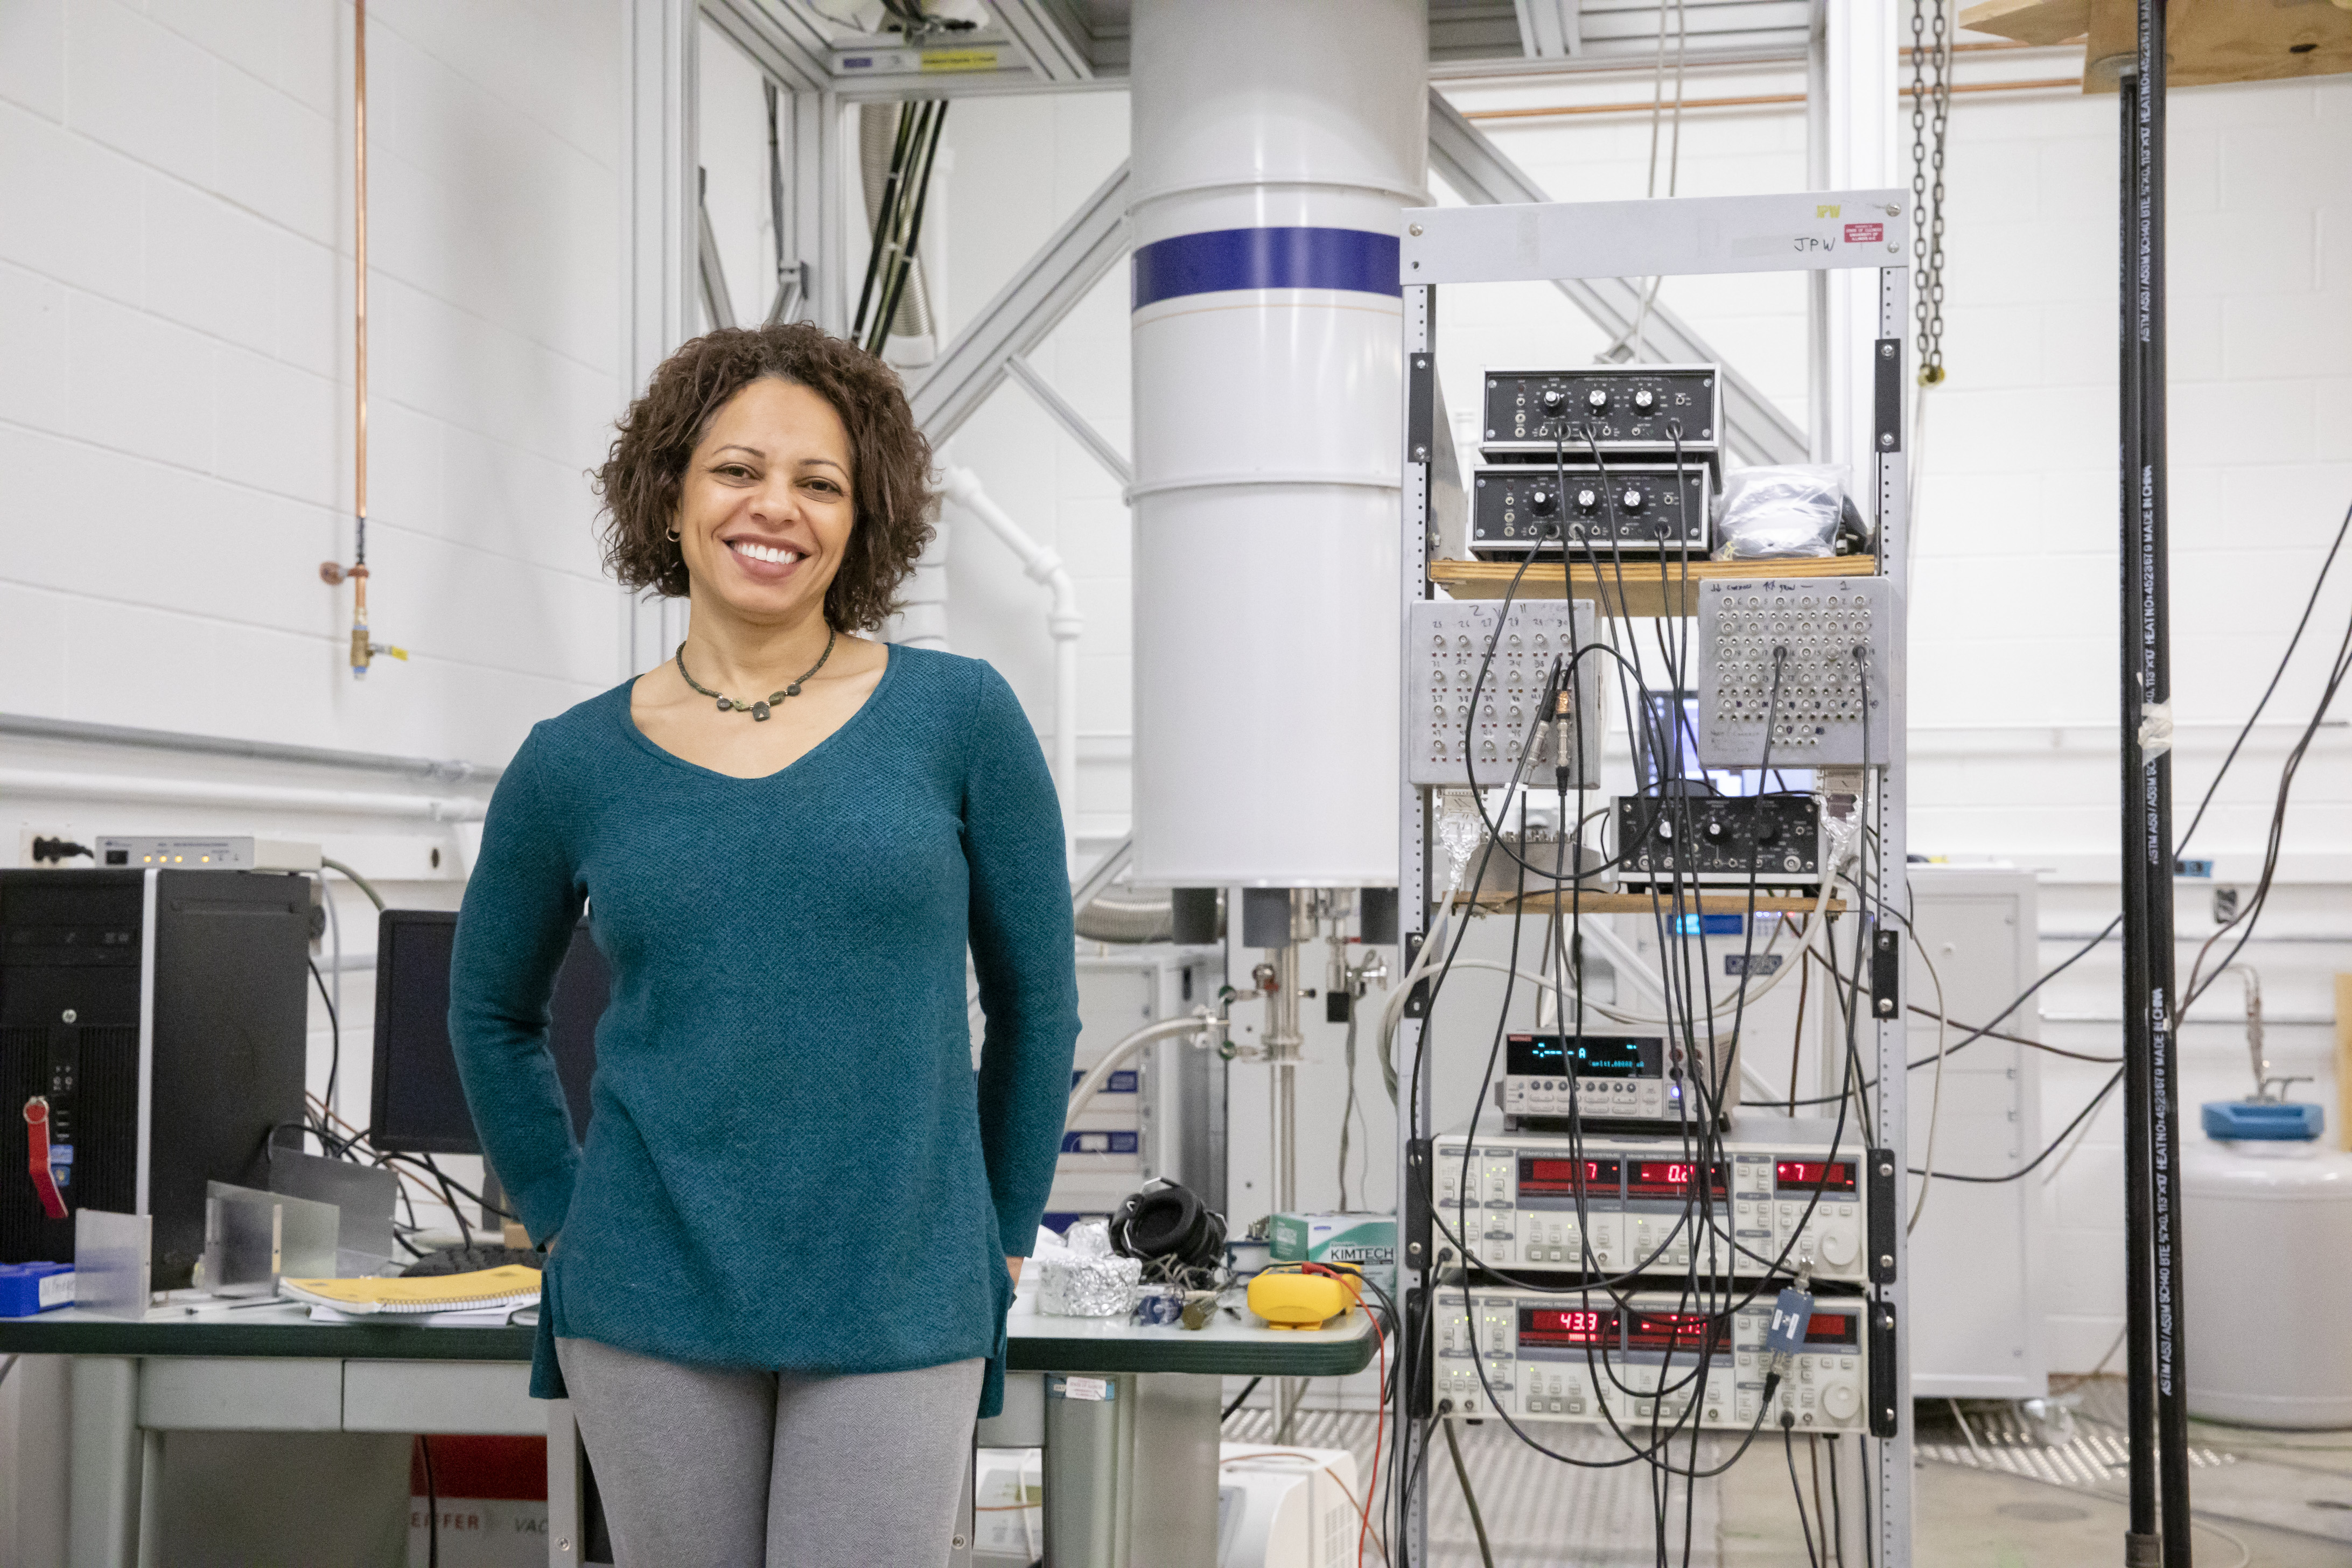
{"points": [[1804, 231]]}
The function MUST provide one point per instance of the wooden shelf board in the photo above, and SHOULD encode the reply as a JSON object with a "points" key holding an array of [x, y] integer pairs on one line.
{"points": [[1651, 587], [1600, 903]]}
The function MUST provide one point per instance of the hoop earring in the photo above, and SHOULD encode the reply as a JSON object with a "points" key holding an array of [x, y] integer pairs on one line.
{"points": [[673, 536]]}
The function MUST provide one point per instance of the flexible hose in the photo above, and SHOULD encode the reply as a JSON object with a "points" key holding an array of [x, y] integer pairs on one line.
{"points": [[1099, 1074]]}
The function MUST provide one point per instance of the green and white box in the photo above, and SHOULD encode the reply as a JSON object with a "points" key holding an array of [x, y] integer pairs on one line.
{"points": [[1366, 1240]]}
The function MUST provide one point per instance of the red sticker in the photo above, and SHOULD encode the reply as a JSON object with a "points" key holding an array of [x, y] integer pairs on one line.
{"points": [[1865, 233]]}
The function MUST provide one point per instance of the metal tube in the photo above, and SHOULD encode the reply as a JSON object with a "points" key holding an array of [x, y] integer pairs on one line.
{"points": [[2155, 804], [2140, 1546]]}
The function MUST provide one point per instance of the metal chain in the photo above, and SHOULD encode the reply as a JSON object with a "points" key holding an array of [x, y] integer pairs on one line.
{"points": [[1931, 99]]}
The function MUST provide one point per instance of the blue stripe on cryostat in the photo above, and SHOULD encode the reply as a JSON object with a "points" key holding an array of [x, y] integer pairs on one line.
{"points": [[1228, 259]]}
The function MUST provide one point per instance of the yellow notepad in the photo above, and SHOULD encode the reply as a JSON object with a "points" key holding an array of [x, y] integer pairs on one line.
{"points": [[512, 1285]]}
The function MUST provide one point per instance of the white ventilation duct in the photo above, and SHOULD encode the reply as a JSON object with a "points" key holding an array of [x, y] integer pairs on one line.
{"points": [[1274, 147]]}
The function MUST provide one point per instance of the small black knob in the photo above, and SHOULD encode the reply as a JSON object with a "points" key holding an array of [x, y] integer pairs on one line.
{"points": [[1714, 830], [1554, 399], [1541, 501], [1767, 831]]}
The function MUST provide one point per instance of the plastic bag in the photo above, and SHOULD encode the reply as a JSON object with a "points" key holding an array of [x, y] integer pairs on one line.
{"points": [[1780, 512]]}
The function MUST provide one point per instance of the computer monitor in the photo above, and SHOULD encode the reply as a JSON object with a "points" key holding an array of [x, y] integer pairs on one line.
{"points": [[1676, 715], [418, 1104]]}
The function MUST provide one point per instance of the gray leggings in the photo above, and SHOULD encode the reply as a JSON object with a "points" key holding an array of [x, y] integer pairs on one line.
{"points": [[710, 1467]]}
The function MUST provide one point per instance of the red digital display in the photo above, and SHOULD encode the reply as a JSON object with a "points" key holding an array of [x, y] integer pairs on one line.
{"points": [[1558, 1178], [1694, 1332], [1544, 1326], [1832, 1329], [1675, 1179], [1815, 1175]]}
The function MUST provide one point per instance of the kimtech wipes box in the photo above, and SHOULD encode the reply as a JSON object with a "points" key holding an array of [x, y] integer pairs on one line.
{"points": [[1366, 1240]]}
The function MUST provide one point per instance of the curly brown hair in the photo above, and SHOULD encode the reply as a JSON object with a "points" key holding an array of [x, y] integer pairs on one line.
{"points": [[644, 475]]}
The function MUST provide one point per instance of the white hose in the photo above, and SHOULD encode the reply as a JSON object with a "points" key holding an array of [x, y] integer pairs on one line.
{"points": [[1099, 1074]]}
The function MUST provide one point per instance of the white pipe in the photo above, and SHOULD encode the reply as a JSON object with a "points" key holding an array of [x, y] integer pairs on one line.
{"points": [[204, 791], [1044, 565]]}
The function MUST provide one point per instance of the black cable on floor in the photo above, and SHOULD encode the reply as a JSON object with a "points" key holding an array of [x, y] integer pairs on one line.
{"points": [[1789, 1447], [432, 1506], [1462, 1474]]}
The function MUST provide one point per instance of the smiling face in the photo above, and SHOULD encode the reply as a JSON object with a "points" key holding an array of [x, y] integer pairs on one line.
{"points": [[764, 514]]}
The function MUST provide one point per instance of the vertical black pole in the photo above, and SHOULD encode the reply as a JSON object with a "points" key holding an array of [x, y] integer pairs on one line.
{"points": [[2140, 1540], [2155, 804]]}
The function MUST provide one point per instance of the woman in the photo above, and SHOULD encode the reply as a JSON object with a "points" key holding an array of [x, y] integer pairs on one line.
{"points": [[776, 1277]]}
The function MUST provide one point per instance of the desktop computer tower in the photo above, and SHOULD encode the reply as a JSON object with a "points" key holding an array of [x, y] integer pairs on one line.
{"points": [[161, 1015]]}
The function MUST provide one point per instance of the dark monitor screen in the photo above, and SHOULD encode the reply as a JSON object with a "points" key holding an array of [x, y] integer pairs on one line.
{"points": [[418, 1105]]}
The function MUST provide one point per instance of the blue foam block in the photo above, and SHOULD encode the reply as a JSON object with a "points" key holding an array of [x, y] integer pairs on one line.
{"points": [[29, 1288], [2252, 1119]]}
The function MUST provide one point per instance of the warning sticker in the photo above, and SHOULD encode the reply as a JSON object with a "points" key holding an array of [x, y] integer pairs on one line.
{"points": [[1865, 233]]}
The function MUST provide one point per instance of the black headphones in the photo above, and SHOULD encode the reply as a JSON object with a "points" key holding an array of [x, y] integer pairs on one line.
{"points": [[1169, 1220]]}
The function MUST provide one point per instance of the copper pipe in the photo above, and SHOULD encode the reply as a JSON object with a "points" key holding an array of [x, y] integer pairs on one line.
{"points": [[360, 652], [359, 203], [1554, 112]]}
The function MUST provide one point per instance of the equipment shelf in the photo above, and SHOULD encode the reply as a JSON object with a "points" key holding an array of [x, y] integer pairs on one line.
{"points": [[1650, 587]]}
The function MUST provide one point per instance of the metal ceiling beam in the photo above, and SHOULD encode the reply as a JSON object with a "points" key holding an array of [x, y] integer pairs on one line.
{"points": [[778, 42], [1113, 460], [1043, 290], [1053, 34], [1475, 168], [1550, 29]]}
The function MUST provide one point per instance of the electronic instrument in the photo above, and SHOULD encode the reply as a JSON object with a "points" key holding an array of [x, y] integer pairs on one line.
{"points": [[1774, 840], [1519, 705], [1629, 1082], [1543, 1359], [1779, 1194], [1625, 408], [1536, 507], [1795, 673]]}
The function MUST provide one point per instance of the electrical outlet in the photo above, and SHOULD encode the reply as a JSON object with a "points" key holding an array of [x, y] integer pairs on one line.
{"points": [[43, 846]]}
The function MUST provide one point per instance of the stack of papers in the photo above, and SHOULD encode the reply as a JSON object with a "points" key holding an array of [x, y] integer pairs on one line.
{"points": [[485, 1296]]}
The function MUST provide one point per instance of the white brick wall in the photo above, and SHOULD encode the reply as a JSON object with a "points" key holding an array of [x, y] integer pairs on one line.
{"points": [[175, 419], [175, 402]]}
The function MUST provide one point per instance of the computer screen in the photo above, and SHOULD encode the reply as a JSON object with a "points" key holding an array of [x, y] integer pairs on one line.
{"points": [[1674, 715], [418, 1106]]}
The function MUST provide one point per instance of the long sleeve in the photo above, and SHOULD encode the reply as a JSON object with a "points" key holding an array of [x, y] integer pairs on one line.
{"points": [[1023, 950], [521, 904]]}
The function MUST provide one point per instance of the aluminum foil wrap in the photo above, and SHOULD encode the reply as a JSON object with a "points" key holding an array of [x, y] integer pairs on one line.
{"points": [[1081, 1286], [1089, 1238]]}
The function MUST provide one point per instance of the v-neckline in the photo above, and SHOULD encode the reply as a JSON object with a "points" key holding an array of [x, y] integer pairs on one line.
{"points": [[628, 718]]}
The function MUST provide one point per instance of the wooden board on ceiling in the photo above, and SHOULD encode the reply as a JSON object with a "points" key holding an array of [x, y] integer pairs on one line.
{"points": [[2207, 41]]}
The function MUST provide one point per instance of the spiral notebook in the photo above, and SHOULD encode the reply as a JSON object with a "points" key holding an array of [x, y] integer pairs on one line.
{"points": [[483, 1290]]}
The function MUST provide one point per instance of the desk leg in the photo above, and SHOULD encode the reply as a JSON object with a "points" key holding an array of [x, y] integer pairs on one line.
{"points": [[1090, 1465], [151, 1499], [1177, 1436], [103, 1470], [567, 1522]]}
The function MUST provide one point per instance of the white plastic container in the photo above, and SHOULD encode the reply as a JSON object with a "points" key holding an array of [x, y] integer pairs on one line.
{"points": [[2267, 1233]]}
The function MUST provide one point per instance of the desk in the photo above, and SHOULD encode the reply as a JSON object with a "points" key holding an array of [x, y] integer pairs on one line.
{"points": [[255, 1369], [1127, 1418], [273, 1369]]}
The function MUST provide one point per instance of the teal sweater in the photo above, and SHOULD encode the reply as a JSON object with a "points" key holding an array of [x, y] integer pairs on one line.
{"points": [[791, 1163]]}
